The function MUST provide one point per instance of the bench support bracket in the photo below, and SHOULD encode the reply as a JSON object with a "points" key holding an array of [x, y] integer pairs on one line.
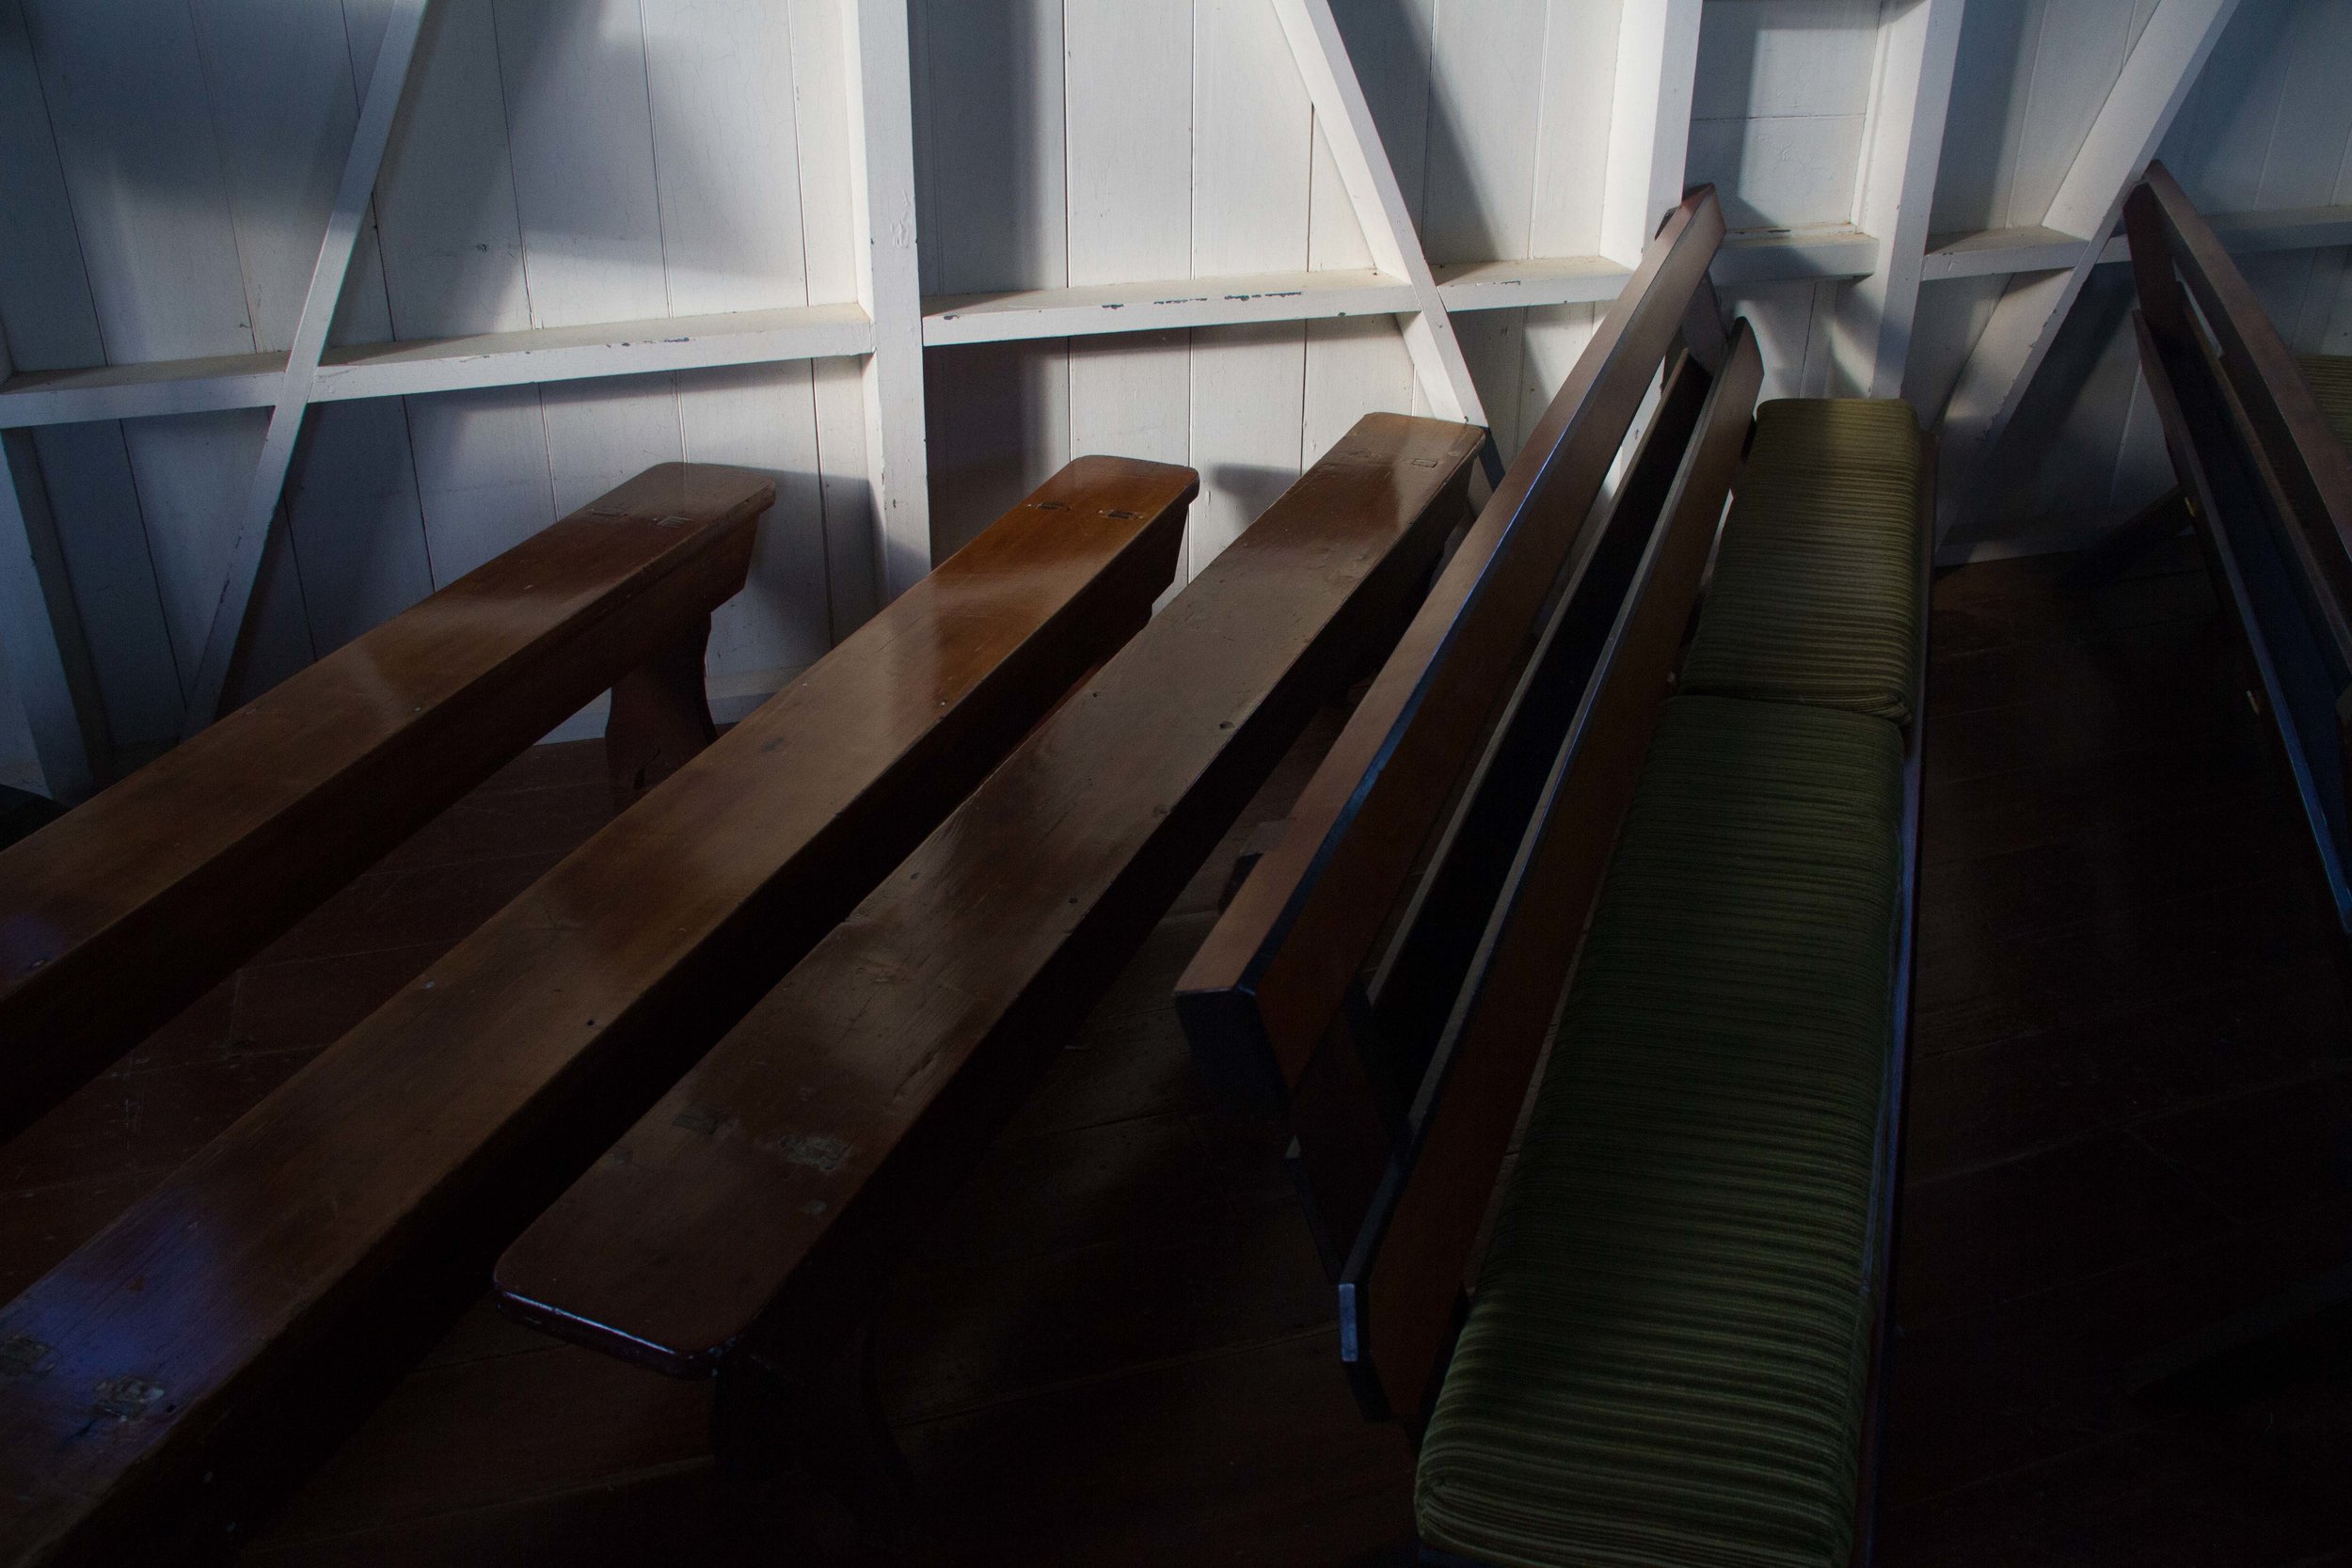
{"points": [[660, 717]]}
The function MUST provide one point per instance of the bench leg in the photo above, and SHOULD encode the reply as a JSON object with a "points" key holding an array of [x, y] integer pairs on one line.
{"points": [[661, 716], [820, 1414]]}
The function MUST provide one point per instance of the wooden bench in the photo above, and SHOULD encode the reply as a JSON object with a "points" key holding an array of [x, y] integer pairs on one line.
{"points": [[745, 1225], [1274, 971], [2262, 463], [1672, 1351], [2258, 438], [115, 917], [214, 1341], [1272, 1001]]}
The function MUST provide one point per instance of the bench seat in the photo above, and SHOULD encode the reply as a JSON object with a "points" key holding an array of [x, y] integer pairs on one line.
{"points": [[1815, 594], [1666, 1356], [2331, 378]]}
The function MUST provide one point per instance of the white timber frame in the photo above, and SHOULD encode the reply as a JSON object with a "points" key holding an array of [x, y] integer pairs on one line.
{"points": [[2139, 108], [1885, 249]]}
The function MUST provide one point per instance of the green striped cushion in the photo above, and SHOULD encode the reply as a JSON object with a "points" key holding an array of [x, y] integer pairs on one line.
{"points": [[2331, 387], [1666, 1356], [1816, 593]]}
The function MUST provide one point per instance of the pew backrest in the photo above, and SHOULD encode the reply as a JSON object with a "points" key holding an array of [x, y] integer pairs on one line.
{"points": [[1400, 1288], [124, 911], [189, 1360], [1276, 968], [2270, 485]]}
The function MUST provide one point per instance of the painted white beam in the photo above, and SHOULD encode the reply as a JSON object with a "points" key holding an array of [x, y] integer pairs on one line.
{"points": [[1992, 251], [882, 172], [440, 364], [2138, 110], [1156, 307], [1649, 124], [41, 629], [1903, 143], [368, 138], [1348, 129]]}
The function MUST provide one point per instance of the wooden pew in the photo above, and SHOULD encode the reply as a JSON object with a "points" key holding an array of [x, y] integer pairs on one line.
{"points": [[192, 1358], [2269, 487], [1259, 996], [745, 1225], [2267, 481], [120, 914], [1352, 1108], [1630, 1141]]}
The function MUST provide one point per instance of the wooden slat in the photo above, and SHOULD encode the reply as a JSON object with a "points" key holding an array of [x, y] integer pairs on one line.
{"points": [[1398, 1294], [178, 1364], [2312, 465], [1272, 975], [2272, 488], [776, 1182], [1350, 1108], [115, 917]]}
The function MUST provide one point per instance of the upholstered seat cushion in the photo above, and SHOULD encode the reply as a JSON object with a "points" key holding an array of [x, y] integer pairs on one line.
{"points": [[2330, 379], [1665, 1360], [1816, 593]]}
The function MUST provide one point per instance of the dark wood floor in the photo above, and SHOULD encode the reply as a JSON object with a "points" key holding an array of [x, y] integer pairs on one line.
{"points": [[2132, 1112]]}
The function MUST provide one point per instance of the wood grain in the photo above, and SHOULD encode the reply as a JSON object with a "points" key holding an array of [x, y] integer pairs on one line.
{"points": [[848, 1104], [1398, 1296], [1271, 976], [114, 918], [273, 1286]]}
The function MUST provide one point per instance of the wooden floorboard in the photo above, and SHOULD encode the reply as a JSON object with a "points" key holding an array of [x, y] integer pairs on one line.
{"points": [[2131, 1114]]}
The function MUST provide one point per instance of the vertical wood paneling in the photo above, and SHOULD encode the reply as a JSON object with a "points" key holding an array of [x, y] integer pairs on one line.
{"points": [[1127, 96], [138, 143], [1570, 174], [992, 174], [51, 323], [720, 80], [580, 133], [1252, 166], [1778, 105], [453, 264], [286, 90], [828, 246]]}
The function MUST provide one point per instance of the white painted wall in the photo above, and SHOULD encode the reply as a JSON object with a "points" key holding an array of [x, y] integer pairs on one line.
{"points": [[167, 166]]}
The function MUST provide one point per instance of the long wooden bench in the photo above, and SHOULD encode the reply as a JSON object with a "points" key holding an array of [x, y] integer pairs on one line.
{"points": [[1272, 1000], [190, 1358], [2258, 441], [1671, 1352], [2261, 444], [1261, 994], [746, 1223], [120, 914]]}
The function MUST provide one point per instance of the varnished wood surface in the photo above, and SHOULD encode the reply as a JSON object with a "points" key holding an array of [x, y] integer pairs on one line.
{"points": [[1274, 973], [2132, 1071], [2314, 469], [128, 909], [1351, 1108], [775, 1185], [1399, 1296], [160, 1374]]}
